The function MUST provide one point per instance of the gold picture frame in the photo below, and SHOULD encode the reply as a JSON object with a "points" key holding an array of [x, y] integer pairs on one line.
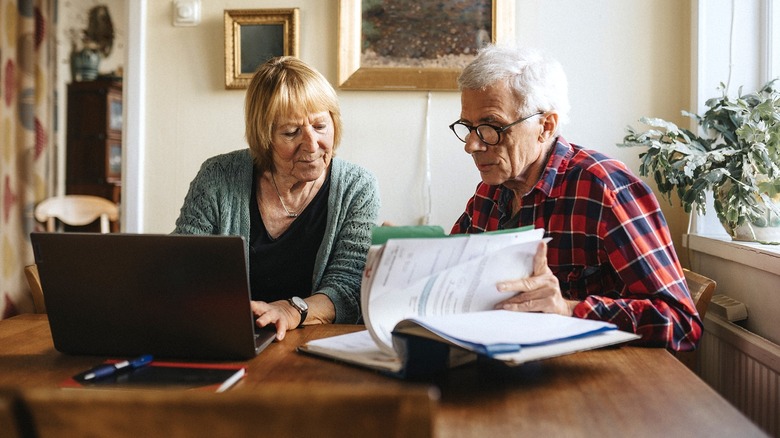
{"points": [[252, 36], [355, 73]]}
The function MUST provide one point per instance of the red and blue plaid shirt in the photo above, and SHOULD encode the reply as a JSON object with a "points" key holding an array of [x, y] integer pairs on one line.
{"points": [[610, 246]]}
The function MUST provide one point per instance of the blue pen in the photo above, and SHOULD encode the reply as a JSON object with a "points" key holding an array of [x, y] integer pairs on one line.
{"points": [[109, 370]]}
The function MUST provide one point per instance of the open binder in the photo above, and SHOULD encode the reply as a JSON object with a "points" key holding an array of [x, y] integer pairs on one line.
{"points": [[427, 304]]}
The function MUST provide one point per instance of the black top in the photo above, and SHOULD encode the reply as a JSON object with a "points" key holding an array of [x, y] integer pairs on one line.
{"points": [[283, 267]]}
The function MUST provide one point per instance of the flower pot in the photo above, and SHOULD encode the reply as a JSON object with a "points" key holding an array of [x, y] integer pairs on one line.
{"points": [[766, 229], [84, 65]]}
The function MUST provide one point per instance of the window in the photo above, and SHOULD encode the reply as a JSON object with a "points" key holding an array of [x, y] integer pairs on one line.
{"points": [[737, 42]]}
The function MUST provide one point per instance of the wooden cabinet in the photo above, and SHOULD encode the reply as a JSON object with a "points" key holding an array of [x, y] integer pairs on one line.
{"points": [[94, 136]]}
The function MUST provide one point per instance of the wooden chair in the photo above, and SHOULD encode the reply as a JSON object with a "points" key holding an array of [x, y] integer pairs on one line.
{"points": [[701, 289], [77, 210], [34, 280], [74, 210], [278, 410], [14, 422], [8, 418]]}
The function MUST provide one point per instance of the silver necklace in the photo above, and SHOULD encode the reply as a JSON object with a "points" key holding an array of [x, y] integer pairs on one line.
{"points": [[290, 214]]}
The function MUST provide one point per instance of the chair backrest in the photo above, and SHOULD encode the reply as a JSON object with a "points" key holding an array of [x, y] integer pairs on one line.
{"points": [[278, 410], [701, 289], [77, 210], [34, 281], [10, 421]]}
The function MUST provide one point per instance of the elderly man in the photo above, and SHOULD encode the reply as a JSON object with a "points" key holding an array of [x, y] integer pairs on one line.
{"points": [[611, 257]]}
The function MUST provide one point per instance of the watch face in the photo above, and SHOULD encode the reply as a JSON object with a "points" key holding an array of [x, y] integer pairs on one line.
{"points": [[300, 304]]}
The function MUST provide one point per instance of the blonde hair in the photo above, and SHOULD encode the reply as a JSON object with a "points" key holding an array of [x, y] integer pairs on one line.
{"points": [[285, 86]]}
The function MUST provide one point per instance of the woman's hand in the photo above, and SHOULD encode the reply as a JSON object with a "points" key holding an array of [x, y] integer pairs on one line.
{"points": [[540, 292], [286, 317], [279, 313]]}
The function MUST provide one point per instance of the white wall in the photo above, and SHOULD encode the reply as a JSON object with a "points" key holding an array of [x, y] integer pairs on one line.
{"points": [[624, 58]]}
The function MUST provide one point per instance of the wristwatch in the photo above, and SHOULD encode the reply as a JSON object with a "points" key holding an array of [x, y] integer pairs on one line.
{"points": [[301, 307]]}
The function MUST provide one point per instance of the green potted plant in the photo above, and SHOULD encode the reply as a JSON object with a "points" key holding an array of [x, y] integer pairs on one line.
{"points": [[736, 157]]}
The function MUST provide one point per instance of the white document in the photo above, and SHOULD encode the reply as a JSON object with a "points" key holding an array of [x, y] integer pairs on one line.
{"points": [[420, 277], [356, 348], [360, 349], [445, 289]]}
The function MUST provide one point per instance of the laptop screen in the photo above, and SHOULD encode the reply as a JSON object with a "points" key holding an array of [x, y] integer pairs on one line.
{"points": [[177, 296]]}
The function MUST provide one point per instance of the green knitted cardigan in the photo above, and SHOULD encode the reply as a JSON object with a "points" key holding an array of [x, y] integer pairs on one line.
{"points": [[218, 203]]}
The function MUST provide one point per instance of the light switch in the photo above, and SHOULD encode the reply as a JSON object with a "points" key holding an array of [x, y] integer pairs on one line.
{"points": [[186, 12]]}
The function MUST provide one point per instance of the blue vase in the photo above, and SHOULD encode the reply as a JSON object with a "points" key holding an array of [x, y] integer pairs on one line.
{"points": [[84, 65]]}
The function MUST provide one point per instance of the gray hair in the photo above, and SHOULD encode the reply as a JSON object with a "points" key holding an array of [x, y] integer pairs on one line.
{"points": [[538, 82]]}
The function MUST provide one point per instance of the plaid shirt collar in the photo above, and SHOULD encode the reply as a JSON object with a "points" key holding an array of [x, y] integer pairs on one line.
{"points": [[556, 165]]}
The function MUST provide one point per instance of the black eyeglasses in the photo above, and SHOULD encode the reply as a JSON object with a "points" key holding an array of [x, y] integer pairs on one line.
{"points": [[489, 134]]}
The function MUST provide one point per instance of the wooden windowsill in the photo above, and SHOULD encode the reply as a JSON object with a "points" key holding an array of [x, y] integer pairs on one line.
{"points": [[756, 255]]}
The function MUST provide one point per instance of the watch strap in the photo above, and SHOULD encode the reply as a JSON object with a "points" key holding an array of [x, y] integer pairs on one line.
{"points": [[303, 312]]}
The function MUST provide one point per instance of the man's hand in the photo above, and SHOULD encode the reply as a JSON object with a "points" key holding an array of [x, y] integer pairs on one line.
{"points": [[540, 292]]}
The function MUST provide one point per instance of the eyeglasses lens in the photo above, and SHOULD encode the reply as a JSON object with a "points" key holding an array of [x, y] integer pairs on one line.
{"points": [[461, 131], [486, 133]]}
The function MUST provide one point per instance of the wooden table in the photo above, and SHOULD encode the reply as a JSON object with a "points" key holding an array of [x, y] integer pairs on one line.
{"points": [[617, 392]]}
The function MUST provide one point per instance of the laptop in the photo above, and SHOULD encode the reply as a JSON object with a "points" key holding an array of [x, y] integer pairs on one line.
{"points": [[172, 296]]}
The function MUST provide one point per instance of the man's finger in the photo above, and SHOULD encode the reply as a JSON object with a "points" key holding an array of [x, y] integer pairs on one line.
{"points": [[540, 259]]}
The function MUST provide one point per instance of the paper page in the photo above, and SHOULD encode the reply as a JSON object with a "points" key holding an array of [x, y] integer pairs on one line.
{"points": [[373, 258], [357, 348], [481, 244], [396, 267], [418, 278], [408, 260]]}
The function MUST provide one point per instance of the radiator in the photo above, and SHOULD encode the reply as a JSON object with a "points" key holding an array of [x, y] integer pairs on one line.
{"points": [[744, 368]]}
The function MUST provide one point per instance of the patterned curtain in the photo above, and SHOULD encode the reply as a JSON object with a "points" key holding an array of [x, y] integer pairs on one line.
{"points": [[27, 136]]}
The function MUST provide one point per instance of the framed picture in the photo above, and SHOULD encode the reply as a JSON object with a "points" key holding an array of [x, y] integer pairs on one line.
{"points": [[252, 36], [413, 45]]}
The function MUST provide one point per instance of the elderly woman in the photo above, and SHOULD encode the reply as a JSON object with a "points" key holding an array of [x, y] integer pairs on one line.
{"points": [[611, 256], [306, 216]]}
